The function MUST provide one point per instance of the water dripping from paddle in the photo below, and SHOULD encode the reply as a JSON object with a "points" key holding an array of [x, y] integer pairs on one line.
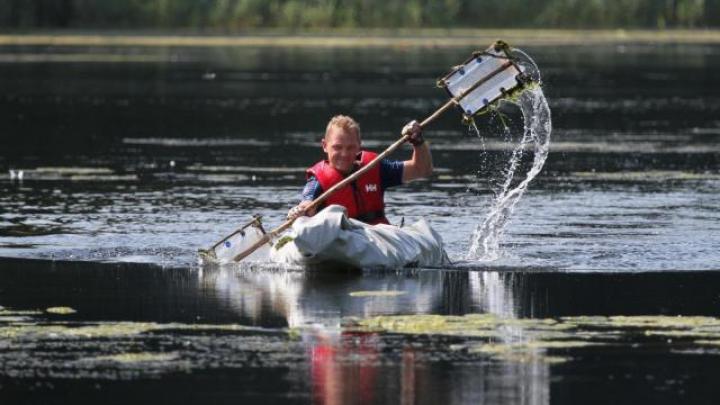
{"points": [[537, 126], [474, 131]]}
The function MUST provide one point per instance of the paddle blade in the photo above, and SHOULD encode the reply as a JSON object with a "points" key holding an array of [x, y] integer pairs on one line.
{"points": [[483, 79], [239, 241]]}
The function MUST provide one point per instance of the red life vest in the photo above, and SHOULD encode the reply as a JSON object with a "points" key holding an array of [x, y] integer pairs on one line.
{"points": [[362, 198]]}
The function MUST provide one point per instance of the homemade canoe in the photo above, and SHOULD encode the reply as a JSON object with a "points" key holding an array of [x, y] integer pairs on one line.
{"points": [[331, 238]]}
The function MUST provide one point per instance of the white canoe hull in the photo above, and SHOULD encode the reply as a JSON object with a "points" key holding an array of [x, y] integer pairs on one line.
{"points": [[331, 237]]}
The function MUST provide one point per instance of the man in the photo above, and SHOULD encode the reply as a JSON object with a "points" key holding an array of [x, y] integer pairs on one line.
{"points": [[363, 199]]}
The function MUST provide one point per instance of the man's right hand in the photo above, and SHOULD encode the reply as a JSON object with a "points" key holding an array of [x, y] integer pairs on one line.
{"points": [[414, 132], [300, 210]]}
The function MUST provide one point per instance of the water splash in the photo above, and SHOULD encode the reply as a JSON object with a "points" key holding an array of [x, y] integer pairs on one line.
{"points": [[483, 158], [536, 135]]}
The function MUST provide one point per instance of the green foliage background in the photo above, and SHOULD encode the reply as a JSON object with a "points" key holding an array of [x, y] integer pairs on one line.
{"points": [[236, 15]]}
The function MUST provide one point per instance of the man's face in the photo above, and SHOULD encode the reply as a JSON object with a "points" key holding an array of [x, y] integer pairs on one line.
{"points": [[342, 148]]}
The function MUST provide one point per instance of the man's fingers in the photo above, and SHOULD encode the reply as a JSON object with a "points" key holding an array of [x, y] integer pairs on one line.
{"points": [[411, 128], [294, 213], [300, 210], [413, 131]]}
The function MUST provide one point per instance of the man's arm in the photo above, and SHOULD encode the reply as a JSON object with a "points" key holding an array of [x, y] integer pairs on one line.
{"points": [[420, 164], [311, 191]]}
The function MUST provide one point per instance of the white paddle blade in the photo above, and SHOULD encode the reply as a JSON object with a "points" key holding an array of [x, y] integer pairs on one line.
{"points": [[495, 73], [225, 252], [238, 242]]}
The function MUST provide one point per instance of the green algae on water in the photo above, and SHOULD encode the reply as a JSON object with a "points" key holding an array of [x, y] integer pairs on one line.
{"points": [[645, 321], [10, 312], [36, 344], [527, 339], [467, 325], [60, 310], [519, 353], [67, 330], [283, 241], [645, 176], [508, 339], [475, 324], [379, 293], [142, 357]]}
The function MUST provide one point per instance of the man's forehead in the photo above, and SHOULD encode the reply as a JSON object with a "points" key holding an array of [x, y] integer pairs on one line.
{"points": [[338, 134]]}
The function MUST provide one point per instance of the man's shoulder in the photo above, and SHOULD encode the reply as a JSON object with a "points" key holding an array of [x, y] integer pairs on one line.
{"points": [[390, 165], [391, 172]]}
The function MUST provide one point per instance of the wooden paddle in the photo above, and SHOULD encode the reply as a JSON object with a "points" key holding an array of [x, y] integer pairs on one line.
{"points": [[324, 196]]}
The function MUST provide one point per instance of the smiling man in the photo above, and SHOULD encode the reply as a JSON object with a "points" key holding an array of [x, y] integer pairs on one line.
{"points": [[364, 198]]}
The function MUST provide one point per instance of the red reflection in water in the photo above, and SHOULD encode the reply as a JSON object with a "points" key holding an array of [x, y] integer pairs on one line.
{"points": [[344, 370]]}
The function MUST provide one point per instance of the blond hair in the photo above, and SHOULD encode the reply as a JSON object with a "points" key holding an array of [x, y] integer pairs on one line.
{"points": [[344, 122]]}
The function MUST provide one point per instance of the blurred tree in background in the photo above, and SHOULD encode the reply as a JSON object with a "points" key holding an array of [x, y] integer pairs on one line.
{"points": [[235, 15]]}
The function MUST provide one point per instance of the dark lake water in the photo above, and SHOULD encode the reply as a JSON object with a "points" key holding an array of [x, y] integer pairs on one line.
{"points": [[135, 157]]}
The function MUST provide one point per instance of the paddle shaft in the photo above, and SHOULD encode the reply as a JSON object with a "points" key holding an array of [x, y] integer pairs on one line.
{"points": [[324, 196]]}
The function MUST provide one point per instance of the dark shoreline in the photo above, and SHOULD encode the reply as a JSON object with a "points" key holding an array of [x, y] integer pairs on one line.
{"points": [[340, 38]]}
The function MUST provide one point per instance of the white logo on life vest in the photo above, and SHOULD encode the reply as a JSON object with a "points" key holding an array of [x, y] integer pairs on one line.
{"points": [[370, 187]]}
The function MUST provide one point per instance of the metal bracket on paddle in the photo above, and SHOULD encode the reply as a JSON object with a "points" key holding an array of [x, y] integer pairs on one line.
{"points": [[483, 79]]}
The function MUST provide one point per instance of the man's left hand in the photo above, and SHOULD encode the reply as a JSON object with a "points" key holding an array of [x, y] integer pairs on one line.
{"points": [[300, 210]]}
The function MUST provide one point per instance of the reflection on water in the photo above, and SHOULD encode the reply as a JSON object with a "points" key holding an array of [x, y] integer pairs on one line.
{"points": [[178, 318], [343, 367]]}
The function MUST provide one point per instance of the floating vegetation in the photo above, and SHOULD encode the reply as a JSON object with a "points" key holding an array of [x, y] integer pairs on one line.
{"points": [[521, 353], [380, 293], [73, 170], [129, 350], [9, 312], [282, 242], [468, 325], [60, 310], [522, 340], [143, 357], [73, 173], [644, 176], [67, 330]]}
